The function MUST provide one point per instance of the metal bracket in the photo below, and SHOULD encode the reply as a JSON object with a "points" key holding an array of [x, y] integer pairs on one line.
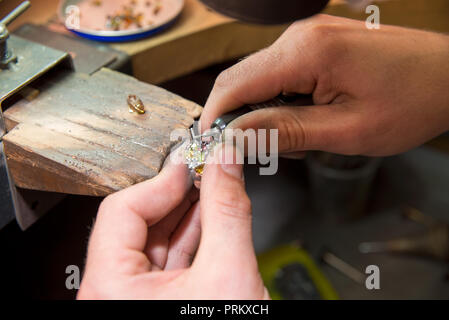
{"points": [[21, 62], [6, 54]]}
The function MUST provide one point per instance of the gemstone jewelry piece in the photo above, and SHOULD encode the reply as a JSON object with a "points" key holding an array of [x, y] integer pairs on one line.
{"points": [[199, 148], [135, 104]]}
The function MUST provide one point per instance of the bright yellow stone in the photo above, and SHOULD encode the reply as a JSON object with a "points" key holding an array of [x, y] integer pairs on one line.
{"points": [[199, 169]]}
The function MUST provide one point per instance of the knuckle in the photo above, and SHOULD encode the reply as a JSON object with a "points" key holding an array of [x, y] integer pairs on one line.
{"points": [[225, 78], [292, 132], [107, 204], [295, 27], [321, 31], [270, 56], [249, 66], [323, 34], [325, 41], [357, 136], [131, 262], [177, 192], [235, 205]]}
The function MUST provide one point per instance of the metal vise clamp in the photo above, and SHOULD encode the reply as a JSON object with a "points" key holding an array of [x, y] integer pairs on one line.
{"points": [[6, 54]]}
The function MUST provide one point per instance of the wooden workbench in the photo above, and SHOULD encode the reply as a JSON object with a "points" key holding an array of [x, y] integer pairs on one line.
{"points": [[78, 136]]}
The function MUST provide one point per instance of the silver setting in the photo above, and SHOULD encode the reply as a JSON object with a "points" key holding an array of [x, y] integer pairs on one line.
{"points": [[199, 148]]}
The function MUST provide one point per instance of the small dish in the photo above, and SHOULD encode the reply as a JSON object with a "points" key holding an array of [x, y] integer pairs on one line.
{"points": [[118, 20]]}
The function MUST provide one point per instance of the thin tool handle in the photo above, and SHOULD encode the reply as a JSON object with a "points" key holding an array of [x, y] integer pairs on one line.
{"points": [[281, 100], [15, 13]]}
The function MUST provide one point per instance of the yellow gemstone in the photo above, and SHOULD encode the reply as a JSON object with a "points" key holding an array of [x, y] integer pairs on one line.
{"points": [[135, 104], [199, 169]]}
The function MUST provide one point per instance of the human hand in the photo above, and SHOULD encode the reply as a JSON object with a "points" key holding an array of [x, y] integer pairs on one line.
{"points": [[145, 237], [376, 92]]}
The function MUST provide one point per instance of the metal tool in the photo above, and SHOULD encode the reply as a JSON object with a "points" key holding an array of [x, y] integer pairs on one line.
{"points": [[201, 144], [281, 100], [343, 267], [432, 243], [220, 124], [6, 54], [267, 11], [21, 62], [8, 195]]}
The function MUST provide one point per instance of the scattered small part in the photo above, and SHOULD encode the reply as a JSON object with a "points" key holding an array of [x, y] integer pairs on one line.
{"points": [[122, 20], [135, 104], [343, 267], [138, 20], [148, 3], [157, 8], [97, 3]]}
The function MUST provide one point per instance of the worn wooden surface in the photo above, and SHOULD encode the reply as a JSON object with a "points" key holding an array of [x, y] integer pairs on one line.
{"points": [[79, 137]]}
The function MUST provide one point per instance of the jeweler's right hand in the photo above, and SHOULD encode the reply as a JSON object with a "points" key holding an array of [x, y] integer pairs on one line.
{"points": [[376, 92]]}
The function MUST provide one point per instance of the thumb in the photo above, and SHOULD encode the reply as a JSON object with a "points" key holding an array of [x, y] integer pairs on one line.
{"points": [[226, 239], [333, 128]]}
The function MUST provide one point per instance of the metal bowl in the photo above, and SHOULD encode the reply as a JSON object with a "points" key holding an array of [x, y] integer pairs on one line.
{"points": [[111, 35]]}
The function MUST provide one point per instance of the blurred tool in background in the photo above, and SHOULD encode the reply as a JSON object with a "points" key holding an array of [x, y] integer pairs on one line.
{"points": [[432, 243], [342, 266]]}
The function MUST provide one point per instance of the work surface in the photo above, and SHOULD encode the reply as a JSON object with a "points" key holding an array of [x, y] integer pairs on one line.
{"points": [[78, 136], [419, 178]]}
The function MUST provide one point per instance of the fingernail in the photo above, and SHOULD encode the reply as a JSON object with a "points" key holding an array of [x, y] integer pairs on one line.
{"points": [[229, 157], [233, 169]]}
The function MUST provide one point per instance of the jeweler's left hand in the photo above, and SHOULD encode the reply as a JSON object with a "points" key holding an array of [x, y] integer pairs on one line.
{"points": [[146, 236]]}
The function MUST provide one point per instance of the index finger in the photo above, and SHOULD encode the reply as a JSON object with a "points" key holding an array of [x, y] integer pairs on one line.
{"points": [[246, 82], [260, 77]]}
